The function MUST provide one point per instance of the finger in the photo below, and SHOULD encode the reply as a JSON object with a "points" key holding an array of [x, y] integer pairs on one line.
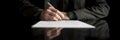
{"points": [[56, 11], [51, 18], [60, 14], [53, 14], [49, 11], [54, 19], [57, 16], [52, 9]]}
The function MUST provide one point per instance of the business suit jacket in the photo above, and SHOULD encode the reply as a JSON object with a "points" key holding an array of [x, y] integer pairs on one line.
{"points": [[84, 10]]}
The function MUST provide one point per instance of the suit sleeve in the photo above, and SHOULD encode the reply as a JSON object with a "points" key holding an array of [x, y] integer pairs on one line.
{"points": [[97, 10], [28, 9]]}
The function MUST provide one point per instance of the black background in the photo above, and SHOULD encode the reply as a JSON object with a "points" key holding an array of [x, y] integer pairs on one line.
{"points": [[113, 19]]}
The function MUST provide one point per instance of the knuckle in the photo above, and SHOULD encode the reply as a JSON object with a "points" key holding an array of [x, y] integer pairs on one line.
{"points": [[56, 15]]}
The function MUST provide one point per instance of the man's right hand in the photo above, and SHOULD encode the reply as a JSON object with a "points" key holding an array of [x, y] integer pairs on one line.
{"points": [[51, 14]]}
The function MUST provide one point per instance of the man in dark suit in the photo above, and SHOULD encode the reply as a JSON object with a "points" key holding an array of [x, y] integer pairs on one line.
{"points": [[82, 10]]}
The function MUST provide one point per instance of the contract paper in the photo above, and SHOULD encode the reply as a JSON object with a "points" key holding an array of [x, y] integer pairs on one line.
{"points": [[62, 24]]}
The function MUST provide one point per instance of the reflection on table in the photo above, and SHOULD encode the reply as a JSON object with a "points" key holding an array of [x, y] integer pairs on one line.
{"points": [[101, 32]]}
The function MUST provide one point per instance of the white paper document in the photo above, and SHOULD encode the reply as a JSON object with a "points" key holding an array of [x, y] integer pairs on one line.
{"points": [[62, 24]]}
